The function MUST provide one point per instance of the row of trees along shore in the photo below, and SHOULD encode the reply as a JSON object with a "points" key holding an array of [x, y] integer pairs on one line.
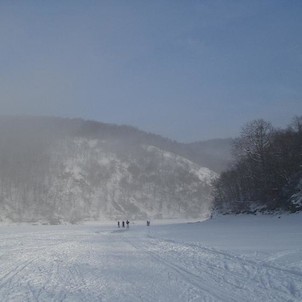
{"points": [[266, 172]]}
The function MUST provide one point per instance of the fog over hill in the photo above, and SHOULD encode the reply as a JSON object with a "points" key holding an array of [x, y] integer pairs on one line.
{"points": [[56, 170]]}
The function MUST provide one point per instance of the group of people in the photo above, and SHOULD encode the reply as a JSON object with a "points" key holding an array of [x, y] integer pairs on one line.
{"points": [[123, 223], [127, 223]]}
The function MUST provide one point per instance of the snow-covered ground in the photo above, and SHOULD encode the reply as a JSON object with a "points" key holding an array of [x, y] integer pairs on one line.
{"points": [[234, 258]]}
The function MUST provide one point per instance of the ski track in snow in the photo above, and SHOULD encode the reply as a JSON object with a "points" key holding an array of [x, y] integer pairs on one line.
{"points": [[93, 263]]}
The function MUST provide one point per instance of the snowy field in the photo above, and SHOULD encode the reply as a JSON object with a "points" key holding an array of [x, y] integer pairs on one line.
{"points": [[243, 258]]}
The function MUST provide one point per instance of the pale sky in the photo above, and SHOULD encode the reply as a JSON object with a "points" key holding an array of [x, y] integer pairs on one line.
{"points": [[187, 70]]}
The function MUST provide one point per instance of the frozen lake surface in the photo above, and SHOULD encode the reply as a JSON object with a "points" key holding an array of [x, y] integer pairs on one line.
{"points": [[234, 258]]}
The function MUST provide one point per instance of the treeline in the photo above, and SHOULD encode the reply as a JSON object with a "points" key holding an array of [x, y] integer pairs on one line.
{"points": [[267, 170]]}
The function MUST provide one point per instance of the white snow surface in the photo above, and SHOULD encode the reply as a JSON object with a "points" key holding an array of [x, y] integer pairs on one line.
{"points": [[227, 258]]}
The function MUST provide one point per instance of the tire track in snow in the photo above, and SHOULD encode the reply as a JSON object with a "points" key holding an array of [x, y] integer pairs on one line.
{"points": [[196, 281], [13, 278], [243, 277], [261, 270], [48, 277], [4, 280], [240, 259], [64, 279]]}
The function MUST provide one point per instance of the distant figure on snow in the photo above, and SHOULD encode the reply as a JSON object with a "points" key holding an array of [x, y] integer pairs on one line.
{"points": [[127, 222], [123, 223], [118, 224], [148, 222]]}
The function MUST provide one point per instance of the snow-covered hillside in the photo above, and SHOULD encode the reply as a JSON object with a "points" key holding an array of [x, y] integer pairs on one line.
{"points": [[77, 178], [101, 182], [229, 259]]}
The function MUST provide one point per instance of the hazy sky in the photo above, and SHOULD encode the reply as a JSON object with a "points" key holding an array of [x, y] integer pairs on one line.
{"points": [[188, 70]]}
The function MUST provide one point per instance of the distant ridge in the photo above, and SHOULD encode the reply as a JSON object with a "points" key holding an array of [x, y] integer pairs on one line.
{"points": [[58, 169]]}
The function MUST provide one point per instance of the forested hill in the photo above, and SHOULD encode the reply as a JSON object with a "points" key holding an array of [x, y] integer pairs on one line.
{"points": [[56, 169], [266, 173]]}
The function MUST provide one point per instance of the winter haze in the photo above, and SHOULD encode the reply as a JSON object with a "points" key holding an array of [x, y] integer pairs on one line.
{"points": [[183, 114], [186, 70], [58, 170]]}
